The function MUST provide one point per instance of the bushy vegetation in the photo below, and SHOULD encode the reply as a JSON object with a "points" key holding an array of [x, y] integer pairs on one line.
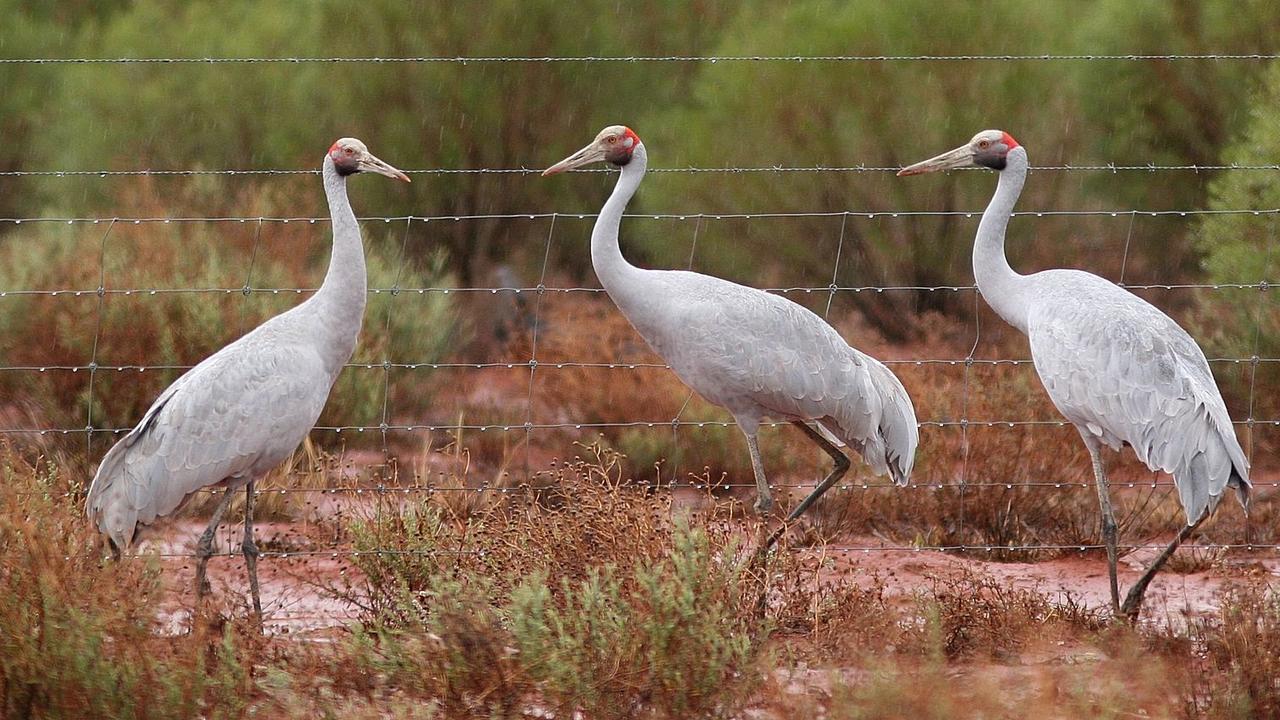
{"points": [[78, 637], [505, 115], [592, 588], [1242, 249], [550, 610], [177, 317]]}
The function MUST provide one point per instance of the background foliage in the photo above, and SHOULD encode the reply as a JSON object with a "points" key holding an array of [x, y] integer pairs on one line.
{"points": [[507, 115]]}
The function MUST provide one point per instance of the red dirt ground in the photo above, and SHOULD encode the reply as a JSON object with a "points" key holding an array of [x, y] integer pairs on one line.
{"points": [[295, 600]]}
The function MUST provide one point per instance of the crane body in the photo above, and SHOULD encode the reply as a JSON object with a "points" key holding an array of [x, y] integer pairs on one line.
{"points": [[1115, 366], [243, 410], [756, 354]]}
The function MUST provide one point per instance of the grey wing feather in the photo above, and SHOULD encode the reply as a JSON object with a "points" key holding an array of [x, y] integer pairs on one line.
{"points": [[1126, 373], [233, 416], [757, 351]]}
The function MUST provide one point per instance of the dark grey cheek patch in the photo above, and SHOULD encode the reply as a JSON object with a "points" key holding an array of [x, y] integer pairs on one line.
{"points": [[619, 157], [993, 161]]}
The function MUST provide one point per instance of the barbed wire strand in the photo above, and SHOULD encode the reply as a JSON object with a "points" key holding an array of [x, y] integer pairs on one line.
{"points": [[711, 486], [682, 217], [619, 425], [1147, 167], [633, 59], [842, 549]]}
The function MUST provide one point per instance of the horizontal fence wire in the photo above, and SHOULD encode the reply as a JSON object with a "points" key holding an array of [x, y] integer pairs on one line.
{"points": [[546, 364], [409, 290], [681, 216], [383, 491], [650, 424], [710, 59], [1106, 168], [828, 549]]}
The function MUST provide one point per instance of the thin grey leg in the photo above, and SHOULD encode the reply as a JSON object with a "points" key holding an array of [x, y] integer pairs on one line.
{"points": [[251, 551], [204, 548], [841, 467], [1133, 600], [764, 499], [1109, 528]]}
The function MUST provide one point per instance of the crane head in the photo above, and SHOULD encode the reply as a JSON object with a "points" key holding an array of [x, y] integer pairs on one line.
{"points": [[615, 144], [989, 149], [350, 156]]}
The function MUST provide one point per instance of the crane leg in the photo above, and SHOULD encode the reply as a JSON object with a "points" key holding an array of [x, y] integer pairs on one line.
{"points": [[204, 548], [250, 550], [1109, 528], [841, 467], [764, 499], [1133, 600]]}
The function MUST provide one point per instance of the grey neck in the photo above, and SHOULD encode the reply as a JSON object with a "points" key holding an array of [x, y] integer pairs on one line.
{"points": [[341, 298], [1002, 288], [615, 273]]}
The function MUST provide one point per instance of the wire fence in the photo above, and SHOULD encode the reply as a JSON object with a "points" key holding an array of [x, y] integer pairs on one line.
{"points": [[588, 59], [523, 401]]}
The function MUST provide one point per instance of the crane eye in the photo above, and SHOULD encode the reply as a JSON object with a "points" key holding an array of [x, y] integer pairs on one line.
{"points": [[984, 144], [351, 151], [613, 139]]}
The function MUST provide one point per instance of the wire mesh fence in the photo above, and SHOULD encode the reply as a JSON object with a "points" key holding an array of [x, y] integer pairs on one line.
{"points": [[506, 394]]}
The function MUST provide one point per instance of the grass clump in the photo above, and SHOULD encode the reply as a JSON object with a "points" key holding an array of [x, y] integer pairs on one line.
{"points": [[680, 643], [974, 614], [670, 637], [78, 636], [1239, 653], [581, 591]]}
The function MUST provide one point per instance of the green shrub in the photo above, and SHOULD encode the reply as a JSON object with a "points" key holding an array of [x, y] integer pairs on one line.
{"points": [[78, 637], [672, 638], [181, 328], [1241, 248]]}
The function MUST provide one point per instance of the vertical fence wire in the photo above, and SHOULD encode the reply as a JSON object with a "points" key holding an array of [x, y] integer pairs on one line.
{"points": [[964, 410], [533, 349], [97, 332], [1264, 301], [678, 454], [392, 294]]}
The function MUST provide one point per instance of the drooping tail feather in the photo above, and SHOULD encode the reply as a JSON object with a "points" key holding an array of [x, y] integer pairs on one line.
{"points": [[1216, 463], [104, 506], [898, 428]]}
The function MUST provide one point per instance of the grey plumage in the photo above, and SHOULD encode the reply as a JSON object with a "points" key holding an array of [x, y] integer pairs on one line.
{"points": [[762, 356], [754, 353], [1126, 373], [1119, 369], [233, 417], [243, 410]]}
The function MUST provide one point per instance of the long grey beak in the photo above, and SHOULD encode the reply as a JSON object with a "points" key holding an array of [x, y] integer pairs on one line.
{"points": [[950, 160], [585, 156], [369, 163]]}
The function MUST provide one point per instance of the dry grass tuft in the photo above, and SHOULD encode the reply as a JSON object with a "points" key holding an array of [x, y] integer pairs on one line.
{"points": [[1232, 661], [78, 637], [976, 614]]}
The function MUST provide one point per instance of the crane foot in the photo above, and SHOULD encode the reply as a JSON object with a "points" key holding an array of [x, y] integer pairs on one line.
{"points": [[764, 503]]}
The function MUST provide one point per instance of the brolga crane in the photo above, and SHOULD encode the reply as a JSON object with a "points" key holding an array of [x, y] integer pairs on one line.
{"points": [[244, 409], [754, 353], [1119, 369]]}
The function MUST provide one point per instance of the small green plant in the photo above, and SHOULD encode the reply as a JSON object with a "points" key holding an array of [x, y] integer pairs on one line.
{"points": [[672, 638], [78, 636]]}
